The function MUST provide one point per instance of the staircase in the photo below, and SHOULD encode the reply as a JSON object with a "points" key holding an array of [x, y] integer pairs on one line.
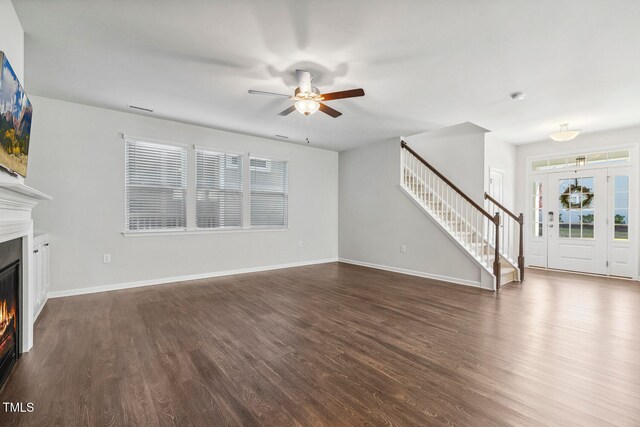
{"points": [[491, 235]]}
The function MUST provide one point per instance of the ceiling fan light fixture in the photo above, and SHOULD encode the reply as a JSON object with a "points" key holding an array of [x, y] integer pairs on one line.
{"points": [[307, 106], [564, 134]]}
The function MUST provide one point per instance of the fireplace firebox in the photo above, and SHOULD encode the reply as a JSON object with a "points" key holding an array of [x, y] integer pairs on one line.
{"points": [[10, 282]]}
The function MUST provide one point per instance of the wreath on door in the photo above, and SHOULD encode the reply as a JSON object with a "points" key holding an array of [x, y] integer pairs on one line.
{"points": [[584, 192]]}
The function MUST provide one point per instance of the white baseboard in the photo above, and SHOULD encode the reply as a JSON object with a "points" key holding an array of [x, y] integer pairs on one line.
{"points": [[152, 282], [414, 273]]}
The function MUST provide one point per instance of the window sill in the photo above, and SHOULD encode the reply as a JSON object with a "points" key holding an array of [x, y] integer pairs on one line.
{"points": [[199, 231]]}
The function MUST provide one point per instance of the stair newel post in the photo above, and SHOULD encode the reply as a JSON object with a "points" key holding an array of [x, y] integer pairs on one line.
{"points": [[496, 260], [521, 247]]}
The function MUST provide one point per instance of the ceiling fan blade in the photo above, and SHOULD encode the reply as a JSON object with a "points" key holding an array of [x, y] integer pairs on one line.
{"points": [[259, 92], [288, 111], [343, 94], [330, 111], [304, 81]]}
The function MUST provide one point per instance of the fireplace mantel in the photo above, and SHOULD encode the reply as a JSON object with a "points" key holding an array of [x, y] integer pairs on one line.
{"points": [[16, 202], [15, 195]]}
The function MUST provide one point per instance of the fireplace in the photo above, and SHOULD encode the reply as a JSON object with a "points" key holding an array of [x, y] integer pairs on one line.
{"points": [[10, 283]]}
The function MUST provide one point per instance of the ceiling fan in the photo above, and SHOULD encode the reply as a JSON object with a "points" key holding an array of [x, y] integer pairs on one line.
{"points": [[308, 99]]}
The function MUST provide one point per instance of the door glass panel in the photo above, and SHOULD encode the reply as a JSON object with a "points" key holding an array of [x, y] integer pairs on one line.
{"points": [[576, 215], [587, 216], [587, 185], [621, 216], [622, 200], [587, 201], [621, 232], [587, 231], [622, 183], [563, 216], [621, 208], [537, 213], [575, 231]]}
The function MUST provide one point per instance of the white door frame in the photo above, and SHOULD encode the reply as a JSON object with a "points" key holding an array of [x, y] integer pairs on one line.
{"points": [[539, 245]]}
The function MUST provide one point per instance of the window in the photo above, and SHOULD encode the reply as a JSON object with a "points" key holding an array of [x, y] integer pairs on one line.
{"points": [[227, 191], [576, 212], [621, 207], [218, 189], [591, 159], [262, 165], [537, 209], [269, 192], [156, 186]]}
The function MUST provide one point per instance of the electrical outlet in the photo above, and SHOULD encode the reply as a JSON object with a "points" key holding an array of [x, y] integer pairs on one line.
{"points": [[106, 258], [403, 249], [299, 243]]}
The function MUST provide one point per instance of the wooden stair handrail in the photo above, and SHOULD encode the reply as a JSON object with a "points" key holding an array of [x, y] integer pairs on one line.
{"points": [[450, 184], [520, 220]]}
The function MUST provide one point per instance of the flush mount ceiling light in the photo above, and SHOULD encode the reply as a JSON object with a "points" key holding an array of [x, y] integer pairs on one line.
{"points": [[564, 134], [518, 96]]}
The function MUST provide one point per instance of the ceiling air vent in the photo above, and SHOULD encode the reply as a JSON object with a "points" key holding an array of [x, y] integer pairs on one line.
{"points": [[148, 110]]}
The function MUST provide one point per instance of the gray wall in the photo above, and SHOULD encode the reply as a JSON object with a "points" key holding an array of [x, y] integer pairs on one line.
{"points": [[376, 217], [502, 155], [77, 157], [458, 153]]}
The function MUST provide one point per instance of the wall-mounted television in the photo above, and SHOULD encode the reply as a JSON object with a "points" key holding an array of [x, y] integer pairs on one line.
{"points": [[15, 121]]}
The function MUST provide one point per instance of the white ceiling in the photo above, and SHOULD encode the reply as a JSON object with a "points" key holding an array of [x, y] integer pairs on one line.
{"points": [[423, 64]]}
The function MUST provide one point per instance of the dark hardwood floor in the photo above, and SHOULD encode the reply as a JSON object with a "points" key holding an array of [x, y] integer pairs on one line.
{"points": [[336, 344]]}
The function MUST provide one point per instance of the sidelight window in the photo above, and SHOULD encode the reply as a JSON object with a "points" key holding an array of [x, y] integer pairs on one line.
{"points": [[621, 207], [537, 211]]}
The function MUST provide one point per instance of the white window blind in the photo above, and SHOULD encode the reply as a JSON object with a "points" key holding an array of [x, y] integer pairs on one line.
{"points": [[218, 189], [156, 186], [269, 192]]}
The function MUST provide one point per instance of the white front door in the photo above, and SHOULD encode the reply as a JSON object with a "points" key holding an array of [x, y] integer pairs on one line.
{"points": [[577, 220]]}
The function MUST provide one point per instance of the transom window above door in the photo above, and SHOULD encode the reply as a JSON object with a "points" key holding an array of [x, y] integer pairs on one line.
{"points": [[573, 161]]}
